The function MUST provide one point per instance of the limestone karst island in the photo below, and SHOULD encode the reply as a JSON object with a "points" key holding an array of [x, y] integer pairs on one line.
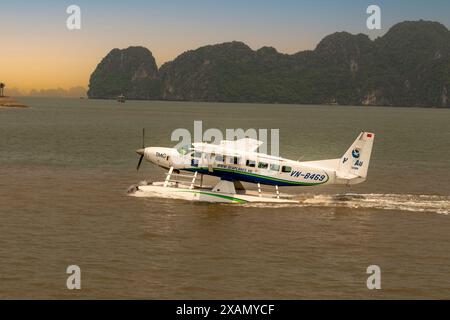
{"points": [[408, 66]]}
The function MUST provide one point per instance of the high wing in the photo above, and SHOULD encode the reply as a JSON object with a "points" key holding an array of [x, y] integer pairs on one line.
{"points": [[229, 147], [244, 144]]}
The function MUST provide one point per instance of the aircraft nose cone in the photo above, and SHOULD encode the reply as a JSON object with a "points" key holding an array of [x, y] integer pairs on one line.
{"points": [[140, 151]]}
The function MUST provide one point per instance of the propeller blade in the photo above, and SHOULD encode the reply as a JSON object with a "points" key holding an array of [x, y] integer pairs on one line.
{"points": [[140, 161], [141, 151]]}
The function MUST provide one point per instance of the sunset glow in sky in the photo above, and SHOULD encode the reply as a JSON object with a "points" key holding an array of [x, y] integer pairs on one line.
{"points": [[37, 51]]}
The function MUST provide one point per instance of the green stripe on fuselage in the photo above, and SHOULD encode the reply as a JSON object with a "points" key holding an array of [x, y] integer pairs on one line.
{"points": [[233, 199]]}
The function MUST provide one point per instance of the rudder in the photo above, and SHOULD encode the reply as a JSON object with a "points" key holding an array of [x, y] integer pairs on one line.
{"points": [[355, 162]]}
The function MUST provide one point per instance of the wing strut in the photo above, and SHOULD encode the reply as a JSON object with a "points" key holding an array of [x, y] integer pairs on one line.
{"points": [[169, 174]]}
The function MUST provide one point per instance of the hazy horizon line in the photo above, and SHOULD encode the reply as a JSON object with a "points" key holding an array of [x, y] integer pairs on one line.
{"points": [[71, 92]]}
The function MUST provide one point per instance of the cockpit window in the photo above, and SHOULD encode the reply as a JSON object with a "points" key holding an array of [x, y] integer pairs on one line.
{"points": [[184, 149]]}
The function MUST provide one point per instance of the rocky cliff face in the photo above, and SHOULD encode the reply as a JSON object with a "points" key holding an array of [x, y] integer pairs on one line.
{"points": [[132, 72], [206, 74], [411, 64], [408, 66]]}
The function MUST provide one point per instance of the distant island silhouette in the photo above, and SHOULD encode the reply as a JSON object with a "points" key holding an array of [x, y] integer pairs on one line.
{"points": [[408, 66]]}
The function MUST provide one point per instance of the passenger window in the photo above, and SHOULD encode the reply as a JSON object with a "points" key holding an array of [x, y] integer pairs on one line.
{"points": [[232, 160], [263, 165], [250, 163], [220, 158], [274, 167], [286, 169]]}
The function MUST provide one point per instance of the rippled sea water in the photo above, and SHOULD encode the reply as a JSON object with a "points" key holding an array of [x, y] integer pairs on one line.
{"points": [[65, 166]]}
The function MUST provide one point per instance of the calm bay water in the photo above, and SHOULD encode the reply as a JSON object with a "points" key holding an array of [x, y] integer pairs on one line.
{"points": [[65, 166]]}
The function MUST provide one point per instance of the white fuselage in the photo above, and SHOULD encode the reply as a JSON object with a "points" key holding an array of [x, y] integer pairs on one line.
{"points": [[238, 161], [245, 166]]}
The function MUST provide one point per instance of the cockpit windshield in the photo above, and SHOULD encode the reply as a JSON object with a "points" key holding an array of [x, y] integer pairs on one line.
{"points": [[185, 149]]}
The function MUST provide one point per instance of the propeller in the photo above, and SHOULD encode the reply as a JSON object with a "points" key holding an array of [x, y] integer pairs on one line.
{"points": [[141, 151]]}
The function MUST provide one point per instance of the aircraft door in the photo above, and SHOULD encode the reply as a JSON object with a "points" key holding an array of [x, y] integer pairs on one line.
{"points": [[210, 158]]}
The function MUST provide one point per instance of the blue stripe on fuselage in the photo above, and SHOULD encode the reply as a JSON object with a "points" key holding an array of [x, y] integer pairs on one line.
{"points": [[231, 176]]}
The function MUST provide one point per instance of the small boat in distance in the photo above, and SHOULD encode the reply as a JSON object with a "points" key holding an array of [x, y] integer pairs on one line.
{"points": [[121, 98]]}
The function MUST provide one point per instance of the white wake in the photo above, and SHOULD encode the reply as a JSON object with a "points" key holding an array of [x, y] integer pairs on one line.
{"points": [[402, 202]]}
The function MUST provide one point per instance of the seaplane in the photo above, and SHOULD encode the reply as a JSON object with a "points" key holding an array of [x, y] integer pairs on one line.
{"points": [[236, 161]]}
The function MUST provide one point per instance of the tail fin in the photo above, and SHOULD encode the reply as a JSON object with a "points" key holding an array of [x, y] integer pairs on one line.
{"points": [[355, 162]]}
